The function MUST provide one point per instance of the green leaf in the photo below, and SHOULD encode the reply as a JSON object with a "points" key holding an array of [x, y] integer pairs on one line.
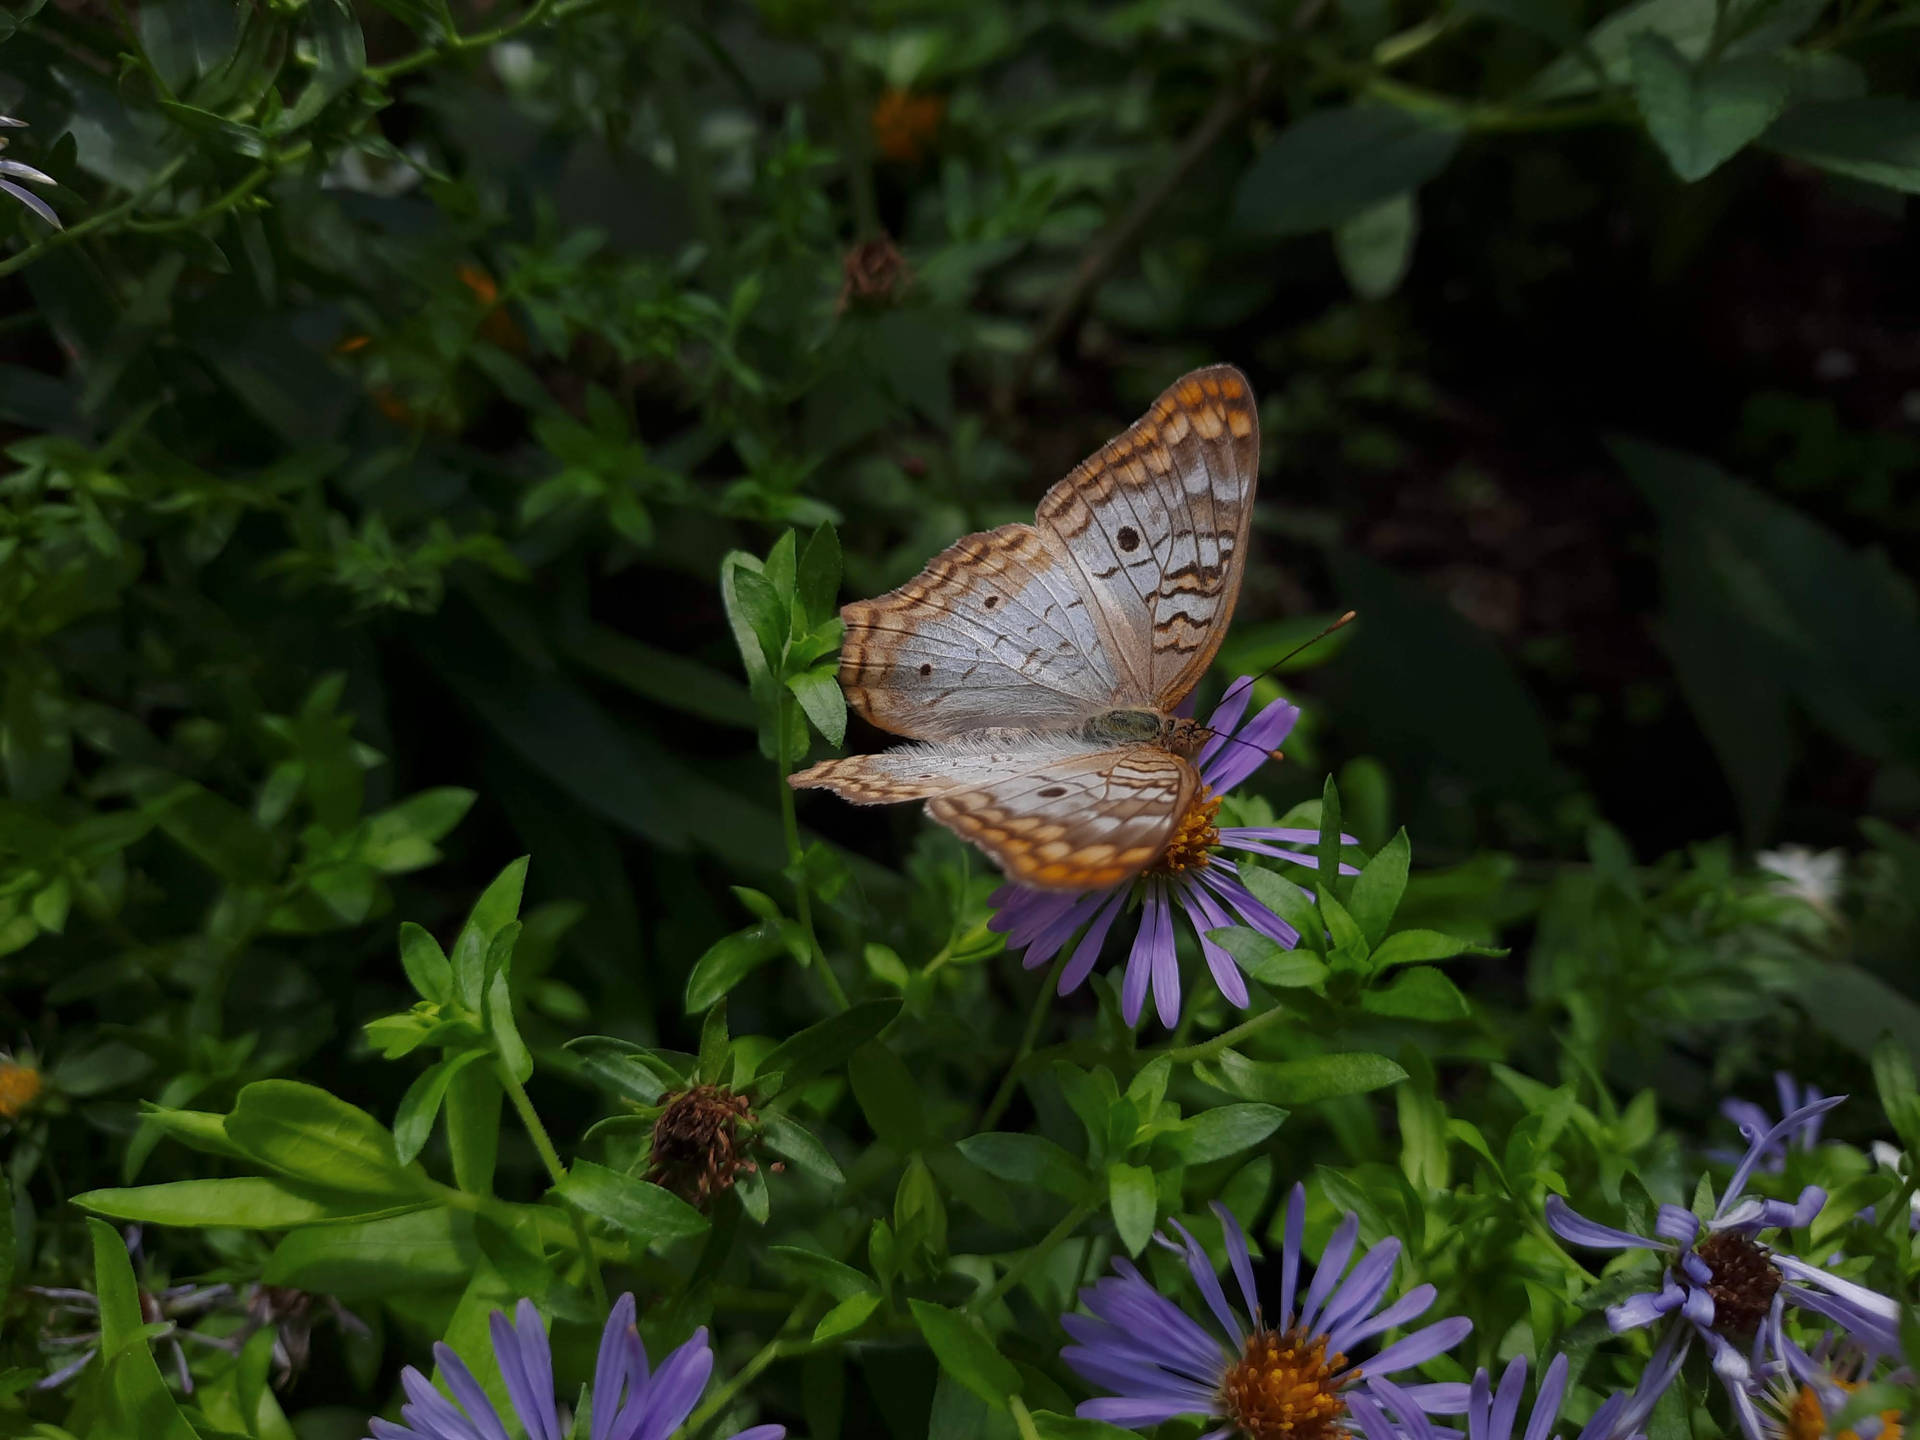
{"points": [[1287, 900], [1135, 1203], [1702, 116], [1027, 1160], [498, 1011], [1333, 165], [961, 1346], [402, 1255], [1375, 247], [818, 692], [1225, 1130], [137, 1398], [243, 1203], [498, 906], [218, 833], [401, 839], [889, 1096], [420, 1106], [1382, 881], [202, 1130], [623, 1068], [1410, 946], [1874, 138], [846, 1317], [1893, 1080], [1304, 1081], [1267, 960], [340, 55], [473, 1127], [312, 1136], [729, 960], [818, 583], [426, 964], [766, 615], [1051, 1426], [784, 1135], [1421, 993], [1347, 945], [811, 1268], [822, 1046], [638, 1209], [1326, 850]]}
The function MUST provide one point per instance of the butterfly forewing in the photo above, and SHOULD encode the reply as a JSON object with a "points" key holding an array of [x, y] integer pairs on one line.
{"points": [[995, 631], [1054, 814], [1156, 525]]}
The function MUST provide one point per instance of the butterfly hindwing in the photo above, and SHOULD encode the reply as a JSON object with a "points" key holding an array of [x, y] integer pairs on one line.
{"points": [[1156, 523], [1055, 814]]}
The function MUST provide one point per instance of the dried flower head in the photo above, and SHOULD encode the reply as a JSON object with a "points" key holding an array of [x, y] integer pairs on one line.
{"points": [[873, 273], [700, 1143]]}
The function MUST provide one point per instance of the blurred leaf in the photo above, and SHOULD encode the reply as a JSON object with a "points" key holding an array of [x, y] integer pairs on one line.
{"points": [[964, 1352], [889, 1096], [1375, 247], [1701, 116], [1333, 165], [1135, 1202], [1874, 138], [1266, 960], [1411, 946], [826, 1043], [243, 1203], [729, 960], [1421, 993], [1225, 1130], [1027, 1160], [1298, 1082]]}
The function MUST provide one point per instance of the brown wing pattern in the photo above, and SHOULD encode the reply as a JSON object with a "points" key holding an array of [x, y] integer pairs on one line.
{"points": [[1156, 525], [1051, 813]]}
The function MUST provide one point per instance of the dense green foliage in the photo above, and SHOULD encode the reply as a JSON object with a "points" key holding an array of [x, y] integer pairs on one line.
{"points": [[451, 428]]}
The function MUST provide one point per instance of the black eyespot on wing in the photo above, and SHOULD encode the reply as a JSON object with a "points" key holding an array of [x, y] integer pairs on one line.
{"points": [[926, 669], [992, 600], [1129, 538], [1052, 792]]}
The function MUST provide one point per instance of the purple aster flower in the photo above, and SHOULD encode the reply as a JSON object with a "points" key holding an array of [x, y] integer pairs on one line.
{"points": [[1289, 1375], [23, 171], [630, 1401], [1191, 876], [1751, 1117], [1491, 1414], [1721, 1282]]}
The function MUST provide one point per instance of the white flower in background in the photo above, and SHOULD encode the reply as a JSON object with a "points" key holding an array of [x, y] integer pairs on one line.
{"points": [[1805, 874], [22, 171]]}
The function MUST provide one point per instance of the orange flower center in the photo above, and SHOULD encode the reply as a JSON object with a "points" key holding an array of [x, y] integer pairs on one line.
{"points": [[1193, 839], [1805, 1418], [1286, 1387], [20, 1086]]}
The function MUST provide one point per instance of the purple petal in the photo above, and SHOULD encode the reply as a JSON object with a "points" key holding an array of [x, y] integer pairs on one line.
{"points": [[610, 1367], [1758, 1144], [1605, 1423], [1333, 1260], [1131, 1414], [1166, 969], [1204, 914], [1445, 1397], [527, 1368], [33, 202], [1753, 1215], [1201, 1268], [1290, 1250], [1676, 1224], [1546, 1402], [1362, 1289], [1232, 764], [1226, 715], [1238, 1258], [1421, 1346], [671, 1394], [1506, 1400], [1570, 1225], [761, 1432], [1059, 929], [1412, 1418], [1133, 989], [1087, 951], [1373, 1424], [1344, 1335], [485, 1419], [1644, 1308], [1222, 878]]}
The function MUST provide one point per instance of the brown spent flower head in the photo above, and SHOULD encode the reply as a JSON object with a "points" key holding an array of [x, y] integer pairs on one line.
{"points": [[1193, 839], [904, 123], [874, 272], [698, 1148], [1283, 1387], [20, 1086], [1743, 1284]]}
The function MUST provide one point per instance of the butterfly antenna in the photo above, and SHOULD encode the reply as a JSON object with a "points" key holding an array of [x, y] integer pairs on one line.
{"points": [[1246, 680]]}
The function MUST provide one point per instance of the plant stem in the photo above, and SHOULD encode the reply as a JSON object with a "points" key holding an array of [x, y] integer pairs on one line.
{"points": [[1022, 1418], [106, 219], [1207, 1049], [549, 1157], [779, 1345], [1042, 1005], [455, 43], [790, 824], [1022, 1267], [245, 187]]}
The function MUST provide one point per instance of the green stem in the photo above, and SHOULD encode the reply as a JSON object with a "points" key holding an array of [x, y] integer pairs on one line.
{"points": [[455, 43], [1024, 1266], [1207, 1049], [1042, 1006], [254, 179], [781, 1344], [1022, 1418], [105, 219], [790, 824], [549, 1157]]}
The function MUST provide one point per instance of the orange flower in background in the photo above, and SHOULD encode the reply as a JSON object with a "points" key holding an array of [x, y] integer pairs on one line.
{"points": [[20, 1086], [904, 123], [499, 327], [480, 283]]}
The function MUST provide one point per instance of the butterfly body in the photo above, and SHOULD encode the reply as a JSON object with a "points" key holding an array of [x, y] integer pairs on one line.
{"points": [[1041, 665]]}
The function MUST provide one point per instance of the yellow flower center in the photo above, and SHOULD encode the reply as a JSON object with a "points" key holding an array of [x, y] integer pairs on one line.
{"points": [[1286, 1387], [1193, 839], [20, 1086]]}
